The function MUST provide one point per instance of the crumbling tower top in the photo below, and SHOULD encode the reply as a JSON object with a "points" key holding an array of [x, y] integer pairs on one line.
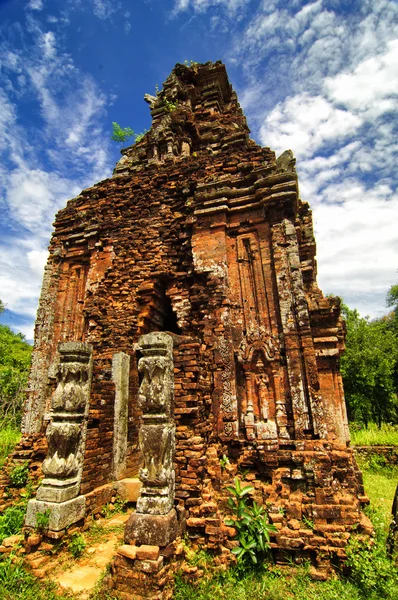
{"points": [[197, 110]]}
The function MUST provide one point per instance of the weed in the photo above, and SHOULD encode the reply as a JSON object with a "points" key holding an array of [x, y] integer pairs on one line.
{"points": [[251, 523], [43, 519], [9, 438], [116, 507], [308, 523], [18, 584], [371, 570], [19, 475], [224, 461], [170, 106], [11, 521], [77, 545]]}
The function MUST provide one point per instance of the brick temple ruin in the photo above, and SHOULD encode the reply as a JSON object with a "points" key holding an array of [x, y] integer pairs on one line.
{"points": [[181, 337]]}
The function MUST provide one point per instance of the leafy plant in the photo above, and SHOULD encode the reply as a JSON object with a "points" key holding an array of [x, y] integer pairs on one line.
{"points": [[371, 570], [190, 63], [77, 545], [115, 507], [308, 522], [43, 519], [19, 475], [170, 106], [11, 521], [224, 461], [251, 523], [122, 134]]}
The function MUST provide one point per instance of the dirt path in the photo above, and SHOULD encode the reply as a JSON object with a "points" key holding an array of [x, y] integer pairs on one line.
{"points": [[82, 575]]}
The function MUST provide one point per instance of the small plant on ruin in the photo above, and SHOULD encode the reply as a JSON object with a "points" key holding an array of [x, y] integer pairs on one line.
{"points": [[11, 521], [19, 475], [251, 523], [77, 545], [308, 523], [170, 106], [224, 461], [110, 509], [122, 134], [43, 519]]}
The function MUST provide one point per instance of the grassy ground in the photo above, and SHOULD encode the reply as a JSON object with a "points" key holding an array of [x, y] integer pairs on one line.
{"points": [[9, 437], [372, 435]]}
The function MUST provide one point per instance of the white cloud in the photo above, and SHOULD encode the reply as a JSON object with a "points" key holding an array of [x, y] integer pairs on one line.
{"points": [[104, 9], [371, 85], [357, 239], [304, 123], [33, 196], [32, 186], [36, 4], [201, 6]]}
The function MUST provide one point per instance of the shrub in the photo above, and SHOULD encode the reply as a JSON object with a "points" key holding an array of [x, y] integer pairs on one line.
{"points": [[19, 475], [251, 523], [371, 570], [11, 521], [76, 545]]}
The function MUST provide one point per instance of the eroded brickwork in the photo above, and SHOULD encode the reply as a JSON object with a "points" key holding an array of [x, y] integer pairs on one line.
{"points": [[201, 233]]}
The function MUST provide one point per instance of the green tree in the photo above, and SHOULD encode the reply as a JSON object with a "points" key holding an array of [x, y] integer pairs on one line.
{"points": [[368, 368], [392, 300], [15, 356]]}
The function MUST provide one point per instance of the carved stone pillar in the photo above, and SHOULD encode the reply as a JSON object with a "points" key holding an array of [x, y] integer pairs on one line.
{"points": [[155, 521], [66, 435]]}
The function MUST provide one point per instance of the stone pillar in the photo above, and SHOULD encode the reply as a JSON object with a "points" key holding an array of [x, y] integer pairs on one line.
{"points": [[120, 376], [155, 521], [66, 435]]}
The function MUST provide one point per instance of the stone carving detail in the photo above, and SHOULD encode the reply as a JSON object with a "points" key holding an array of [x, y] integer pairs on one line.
{"points": [[157, 431], [228, 397], [66, 432], [257, 353], [258, 341]]}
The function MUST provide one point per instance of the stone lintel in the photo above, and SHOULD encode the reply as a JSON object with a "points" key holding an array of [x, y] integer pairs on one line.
{"points": [[153, 530], [61, 514]]}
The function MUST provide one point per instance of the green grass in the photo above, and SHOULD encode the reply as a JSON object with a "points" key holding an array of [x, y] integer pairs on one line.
{"points": [[272, 584], [17, 584], [9, 438], [372, 435], [380, 483]]}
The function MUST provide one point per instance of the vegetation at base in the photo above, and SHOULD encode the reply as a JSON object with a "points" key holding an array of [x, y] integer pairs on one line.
{"points": [[11, 521], [270, 584], [253, 530], [15, 356], [18, 584], [19, 475], [77, 545], [372, 435], [369, 365], [9, 438]]}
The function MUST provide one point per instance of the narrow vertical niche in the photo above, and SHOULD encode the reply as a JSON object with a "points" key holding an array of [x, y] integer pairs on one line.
{"points": [[161, 316]]}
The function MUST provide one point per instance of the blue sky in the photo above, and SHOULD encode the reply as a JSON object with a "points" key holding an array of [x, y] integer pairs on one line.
{"points": [[319, 77]]}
